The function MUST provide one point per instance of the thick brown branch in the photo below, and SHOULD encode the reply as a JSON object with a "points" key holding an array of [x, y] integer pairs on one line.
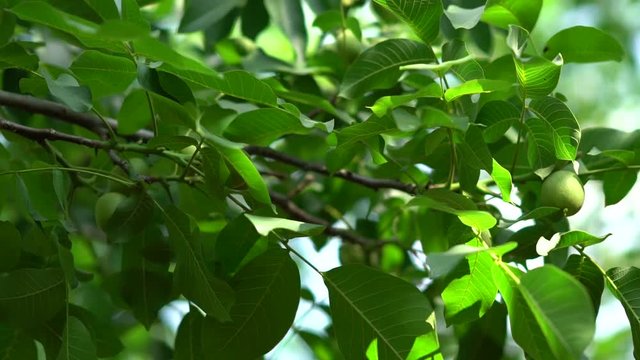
{"points": [[58, 111], [369, 182], [297, 213]]}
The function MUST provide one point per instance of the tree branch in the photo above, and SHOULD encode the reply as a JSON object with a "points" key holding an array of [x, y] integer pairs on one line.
{"points": [[297, 213], [58, 111], [369, 182], [94, 124]]}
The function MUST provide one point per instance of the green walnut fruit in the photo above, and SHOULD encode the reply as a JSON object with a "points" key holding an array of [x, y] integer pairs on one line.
{"points": [[563, 190]]}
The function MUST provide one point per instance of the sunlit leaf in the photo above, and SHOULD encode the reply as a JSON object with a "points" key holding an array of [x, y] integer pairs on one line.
{"points": [[624, 283], [583, 44], [422, 16], [502, 13], [378, 66]]}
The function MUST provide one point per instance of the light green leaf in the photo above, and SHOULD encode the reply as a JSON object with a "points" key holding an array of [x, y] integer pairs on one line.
{"points": [[577, 237], [540, 149], [462, 18], [85, 31], [561, 125], [200, 14], [550, 312], [66, 89], [32, 296], [422, 16], [467, 298], [188, 69], [263, 126], [455, 204], [475, 86], [443, 263], [243, 85], [378, 66], [76, 342], [104, 74], [538, 76], [479, 220], [265, 225], [502, 178], [367, 304], [583, 44], [171, 142], [461, 63], [503, 13], [390, 102], [624, 282], [192, 276], [498, 116], [289, 16], [267, 295], [432, 117]]}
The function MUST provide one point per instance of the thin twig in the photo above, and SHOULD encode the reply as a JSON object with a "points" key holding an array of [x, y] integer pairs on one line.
{"points": [[369, 182]]}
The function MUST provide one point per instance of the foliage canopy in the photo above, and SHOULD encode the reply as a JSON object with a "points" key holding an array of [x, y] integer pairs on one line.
{"points": [[151, 155]]}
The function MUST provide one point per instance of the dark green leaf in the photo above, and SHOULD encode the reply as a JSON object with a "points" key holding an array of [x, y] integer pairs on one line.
{"points": [[234, 242], [134, 113], [192, 276], [263, 126], [498, 116], [31, 296], [617, 184], [200, 14], [379, 66], [267, 294], [13, 55], [585, 271], [624, 283], [422, 16], [10, 246], [15, 344], [76, 342], [367, 304]]}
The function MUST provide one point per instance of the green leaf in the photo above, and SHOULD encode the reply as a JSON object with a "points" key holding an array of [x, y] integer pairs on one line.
{"points": [[617, 184], [624, 282], [498, 117], [76, 342], [134, 113], [475, 151], [13, 55], [188, 69], [538, 76], [267, 295], [475, 86], [66, 89], [263, 126], [188, 342], [468, 298], [583, 44], [31, 296], [265, 225], [588, 273], [243, 85], [235, 241], [289, 16], [131, 216], [502, 178], [422, 16], [433, 117], [540, 147], [171, 142], [503, 13], [441, 264], [7, 26], [387, 103], [484, 338], [104, 74], [456, 51], [200, 14], [379, 66], [10, 246], [455, 204], [43, 13], [367, 304], [146, 291], [192, 276], [577, 237], [561, 125], [105, 9], [241, 163], [551, 313], [15, 344]]}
